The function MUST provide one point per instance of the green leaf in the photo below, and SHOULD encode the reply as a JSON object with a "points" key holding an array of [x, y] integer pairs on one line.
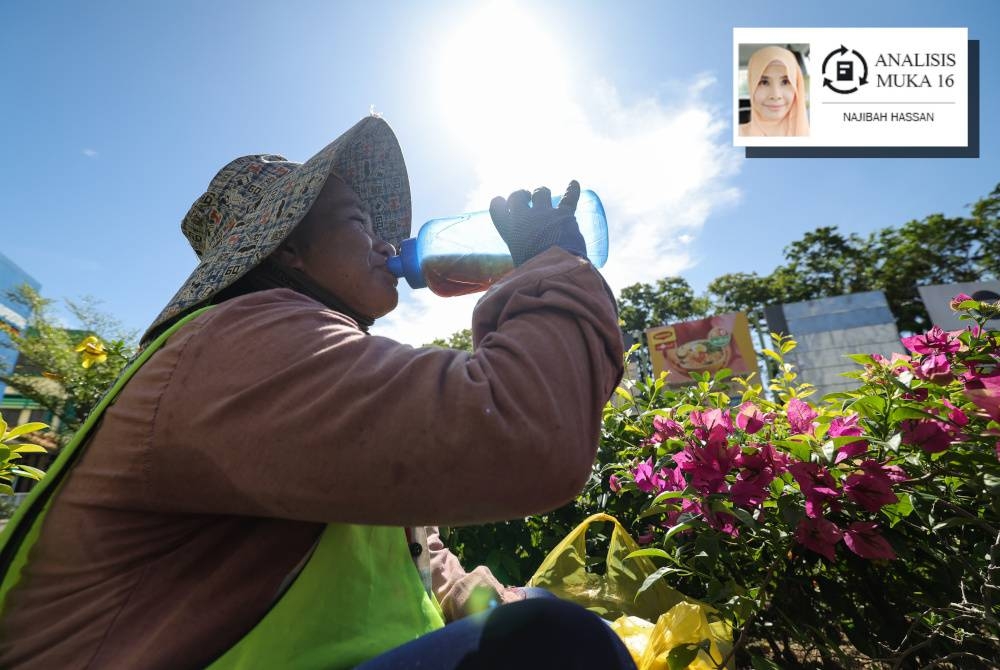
{"points": [[773, 354], [623, 393], [744, 516], [30, 449], [956, 521], [6, 490], [23, 429], [869, 406], [654, 577], [28, 471], [801, 450], [723, 373], [903, 413], [652, 551], [667, 495], [899, 510], [681, 656], [863, 359], [676, 529]]}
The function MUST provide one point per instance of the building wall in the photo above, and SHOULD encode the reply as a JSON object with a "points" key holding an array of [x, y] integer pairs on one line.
{"points": [[829, 329], [12, 315]]}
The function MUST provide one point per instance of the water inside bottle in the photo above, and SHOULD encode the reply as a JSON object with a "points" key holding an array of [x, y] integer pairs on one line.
{"points": [[449, 275]]}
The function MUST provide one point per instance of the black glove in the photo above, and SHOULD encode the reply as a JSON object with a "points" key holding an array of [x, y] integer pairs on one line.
{"points": [[528, 231]]}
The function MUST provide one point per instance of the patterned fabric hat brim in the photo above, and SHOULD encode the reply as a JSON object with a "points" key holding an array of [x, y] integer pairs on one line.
{"points": [[254, 202]]}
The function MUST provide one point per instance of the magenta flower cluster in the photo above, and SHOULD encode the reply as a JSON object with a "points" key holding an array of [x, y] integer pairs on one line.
{"points": [[721, 456]]}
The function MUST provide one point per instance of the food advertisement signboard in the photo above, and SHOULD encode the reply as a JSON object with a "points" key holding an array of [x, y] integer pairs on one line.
{"points": [[705, 345]]}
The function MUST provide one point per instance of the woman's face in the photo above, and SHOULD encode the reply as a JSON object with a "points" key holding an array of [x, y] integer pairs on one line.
{"points": [[775, 92], [336, 247]]}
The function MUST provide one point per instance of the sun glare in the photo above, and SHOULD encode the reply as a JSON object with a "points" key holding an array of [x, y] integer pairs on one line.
{"points": [[497, 72]]}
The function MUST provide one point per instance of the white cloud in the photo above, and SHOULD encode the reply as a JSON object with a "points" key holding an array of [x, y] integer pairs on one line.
{"points": [[423, 316], [660, 167], [90, 153]]}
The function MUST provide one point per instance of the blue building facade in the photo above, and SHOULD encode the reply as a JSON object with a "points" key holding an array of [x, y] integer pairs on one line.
{"points": [[13, 317]]}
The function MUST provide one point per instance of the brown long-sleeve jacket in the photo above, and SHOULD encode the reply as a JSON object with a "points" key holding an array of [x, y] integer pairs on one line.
{"points": [[210, 477]]}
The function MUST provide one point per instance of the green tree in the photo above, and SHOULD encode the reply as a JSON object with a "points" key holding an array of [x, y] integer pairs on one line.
{"points": [[741, 292], [461, 339], [52, 372], [668, 300], [823, 263]]}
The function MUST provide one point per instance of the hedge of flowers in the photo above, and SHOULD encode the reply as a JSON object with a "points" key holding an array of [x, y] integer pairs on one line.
{"points": [[860, 528]]}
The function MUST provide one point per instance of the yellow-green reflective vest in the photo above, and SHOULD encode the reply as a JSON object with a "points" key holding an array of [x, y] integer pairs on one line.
{"points": [[358, 594]]}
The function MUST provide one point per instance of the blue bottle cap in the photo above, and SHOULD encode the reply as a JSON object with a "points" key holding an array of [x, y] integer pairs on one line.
{"points": [[407, 265]]}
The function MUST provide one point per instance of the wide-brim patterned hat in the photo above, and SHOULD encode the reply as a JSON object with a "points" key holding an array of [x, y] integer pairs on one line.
{"points": [[254, 202]]}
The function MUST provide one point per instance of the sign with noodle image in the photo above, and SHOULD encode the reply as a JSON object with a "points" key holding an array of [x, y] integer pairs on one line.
{"points": [[705, 345]]}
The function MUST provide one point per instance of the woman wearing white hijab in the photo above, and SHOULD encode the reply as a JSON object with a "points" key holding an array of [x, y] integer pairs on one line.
{"points": [[777, 95]]}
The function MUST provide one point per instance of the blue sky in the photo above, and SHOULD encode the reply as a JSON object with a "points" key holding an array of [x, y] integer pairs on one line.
{"points": [[117, 114]]}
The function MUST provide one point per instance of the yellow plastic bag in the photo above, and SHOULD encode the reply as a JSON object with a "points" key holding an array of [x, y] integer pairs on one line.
{"points": [[686, 623], [611, 595], [678, 620]]}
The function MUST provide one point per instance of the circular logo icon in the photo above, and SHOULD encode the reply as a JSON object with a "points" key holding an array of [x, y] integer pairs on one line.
{"points": [[844, 71]]}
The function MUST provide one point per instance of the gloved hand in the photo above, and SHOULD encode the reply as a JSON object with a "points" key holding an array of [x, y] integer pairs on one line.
{"points": [[528, 231]]}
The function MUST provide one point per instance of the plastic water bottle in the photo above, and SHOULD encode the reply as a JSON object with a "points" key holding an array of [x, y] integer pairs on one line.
{"points": [[465, 254]]}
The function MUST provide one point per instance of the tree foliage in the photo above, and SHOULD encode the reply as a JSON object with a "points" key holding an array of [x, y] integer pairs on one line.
{"points": [[461, 339], [668, 300], [52, 373], [896, 260]]}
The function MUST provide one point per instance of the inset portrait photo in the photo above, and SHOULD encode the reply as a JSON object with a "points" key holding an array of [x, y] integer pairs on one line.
{"points": [[772, 90]]}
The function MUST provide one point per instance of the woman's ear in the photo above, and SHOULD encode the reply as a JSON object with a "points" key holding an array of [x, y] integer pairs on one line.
{"points": [[288, 255]]}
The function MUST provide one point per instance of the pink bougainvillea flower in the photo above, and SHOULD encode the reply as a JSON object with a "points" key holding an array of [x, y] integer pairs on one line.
{"points": [[847, 427], [708, 465], [776, 460], [723, 521], [985, 393], [956, 415], [713, 426], [864, 539], [646, 480], [918, 394], [614, 484], [645, 538], [890, 473], [958, 300], [816, 484], [800, 417], [934, 368], [931, 436], [850, 450], [756, 474], [688, 507], [871, 491], [749, 418], [667, 428], [673, 479], [819, 535], [934, 341], [750, 488]]}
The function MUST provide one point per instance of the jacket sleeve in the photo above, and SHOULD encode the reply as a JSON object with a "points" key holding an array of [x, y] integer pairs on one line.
{"points": [[276, 406], [461, 593]]}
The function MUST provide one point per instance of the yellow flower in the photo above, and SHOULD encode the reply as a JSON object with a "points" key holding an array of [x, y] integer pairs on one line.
{"points": [[92, 350]]}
